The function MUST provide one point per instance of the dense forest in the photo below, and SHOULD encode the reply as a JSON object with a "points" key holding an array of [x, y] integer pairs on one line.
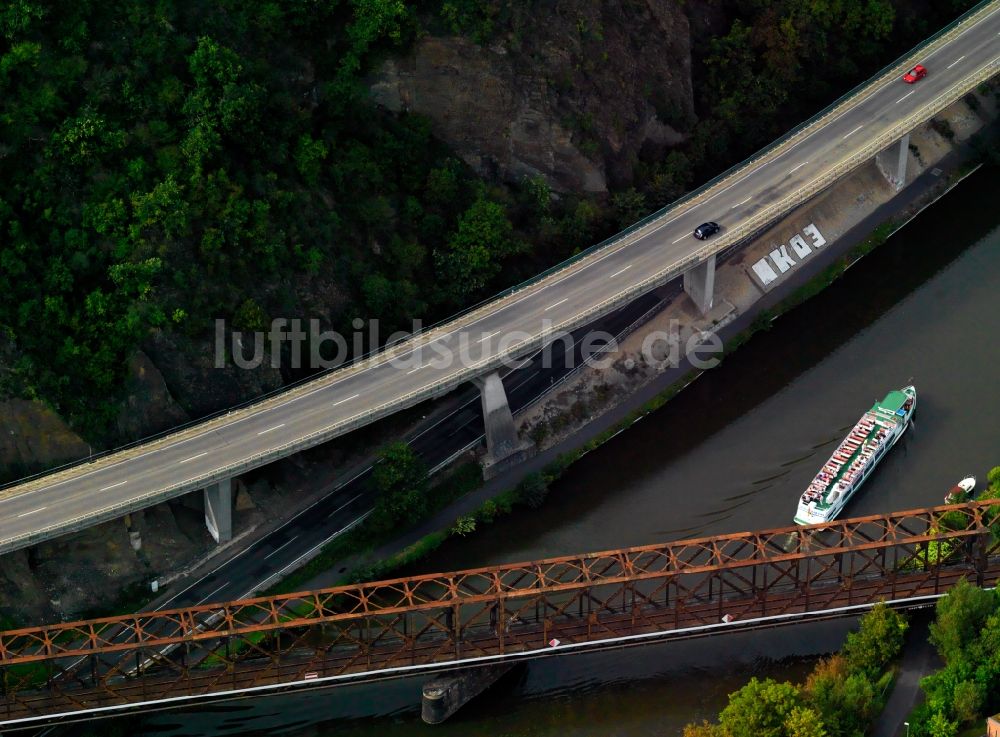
{"points": [[165, 163]]}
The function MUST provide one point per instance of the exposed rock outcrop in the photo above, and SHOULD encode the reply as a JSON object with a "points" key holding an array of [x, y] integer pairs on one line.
{"points": [[148, 407], [83, 572], [572, 92], [199, 387], [33, 437]]}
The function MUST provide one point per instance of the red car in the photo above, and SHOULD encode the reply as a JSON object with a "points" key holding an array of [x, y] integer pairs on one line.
{"points": [[917, 73]]}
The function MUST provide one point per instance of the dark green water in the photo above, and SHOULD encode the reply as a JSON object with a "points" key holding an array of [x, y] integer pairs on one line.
{"points": [[732, 452]]}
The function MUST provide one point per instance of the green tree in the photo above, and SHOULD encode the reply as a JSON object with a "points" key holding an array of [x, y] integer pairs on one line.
{"points": [[968, 697], [993, 479], [845, 700], [485, 237], [804, 722], [878, 640], [760, 709], [629, 207], [959, 618], [705, 729], [399, 480], [940, 726], [579, 223], [536, 195], [309, 155]]}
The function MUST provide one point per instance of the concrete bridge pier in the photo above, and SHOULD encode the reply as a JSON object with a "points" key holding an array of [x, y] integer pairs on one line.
{"points": [[891, 162], [447, 693], [219, 510], [504, 448], [699, 283]]}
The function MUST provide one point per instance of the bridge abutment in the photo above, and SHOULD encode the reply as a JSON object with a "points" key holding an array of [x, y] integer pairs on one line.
{"points": [[219, 510], [892, 161], [504, 448], [699, 283], [447, 693]]}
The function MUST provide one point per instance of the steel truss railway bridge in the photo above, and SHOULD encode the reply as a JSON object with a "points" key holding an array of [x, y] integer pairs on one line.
{"points": [[482, 617]]}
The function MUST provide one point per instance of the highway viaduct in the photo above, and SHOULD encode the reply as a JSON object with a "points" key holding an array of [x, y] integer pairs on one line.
{"points": [[872, 120]]}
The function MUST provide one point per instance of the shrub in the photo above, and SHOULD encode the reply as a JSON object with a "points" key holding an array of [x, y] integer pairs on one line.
{"points": [[532, 490], [464, 525]]}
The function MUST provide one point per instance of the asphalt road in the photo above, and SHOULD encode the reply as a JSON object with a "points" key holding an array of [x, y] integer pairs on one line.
{"points": [[55, 504], [265, 561]]}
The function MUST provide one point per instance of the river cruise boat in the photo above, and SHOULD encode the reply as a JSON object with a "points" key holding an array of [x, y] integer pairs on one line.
{"points": [[855, 458]]}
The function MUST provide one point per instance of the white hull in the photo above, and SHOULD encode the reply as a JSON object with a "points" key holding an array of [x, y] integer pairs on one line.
{"points": [[809, 514], [961, 491]]}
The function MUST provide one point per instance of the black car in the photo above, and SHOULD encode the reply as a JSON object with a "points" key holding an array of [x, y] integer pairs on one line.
{"points": [[705, 230]]}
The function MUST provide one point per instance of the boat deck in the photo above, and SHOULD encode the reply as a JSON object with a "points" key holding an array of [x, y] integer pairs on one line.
{"points": [[863, 441]]}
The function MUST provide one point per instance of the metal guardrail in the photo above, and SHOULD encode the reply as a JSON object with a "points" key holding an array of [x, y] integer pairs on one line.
{"points": [[888, 70], [727, 239]]}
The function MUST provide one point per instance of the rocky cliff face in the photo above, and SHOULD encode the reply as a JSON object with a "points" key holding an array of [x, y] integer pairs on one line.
{"points": [[85, 571], [34, 437], [189, 373], [148, 407], [571, 91]]}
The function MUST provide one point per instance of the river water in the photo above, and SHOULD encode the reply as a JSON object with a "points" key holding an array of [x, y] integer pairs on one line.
{"points": [[730, 453]]}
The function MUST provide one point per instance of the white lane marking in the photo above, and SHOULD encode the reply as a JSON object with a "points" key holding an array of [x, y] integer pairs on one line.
{"points": [[319, 388], [267, 581], [955, 62], [859, 100], [681, 238], [905, 96], [345, 504], [487, 337], [32, 512], [280, 547], [414, 370], [556, 304], [797, 167], [271, 428], [852, 132], [346, 399], [193, 457], [530, 376], [251, 546], [741, 203], [114, 485], [211, 595], [620, 271]]}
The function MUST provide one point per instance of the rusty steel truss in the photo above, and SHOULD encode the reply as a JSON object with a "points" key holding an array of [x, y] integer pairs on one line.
{"points": [[389, 628]]}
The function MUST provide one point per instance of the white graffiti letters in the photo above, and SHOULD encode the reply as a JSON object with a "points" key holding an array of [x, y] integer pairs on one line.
{"points": [[782, 260]]}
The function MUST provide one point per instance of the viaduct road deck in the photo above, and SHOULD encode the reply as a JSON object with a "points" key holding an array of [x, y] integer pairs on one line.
{"points": [[652, 252]]}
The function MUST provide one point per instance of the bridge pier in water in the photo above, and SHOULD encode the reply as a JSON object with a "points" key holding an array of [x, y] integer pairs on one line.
{"points": [[699, 283], [504, 448], [449, 692], [219, 510], [892, 161]]}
